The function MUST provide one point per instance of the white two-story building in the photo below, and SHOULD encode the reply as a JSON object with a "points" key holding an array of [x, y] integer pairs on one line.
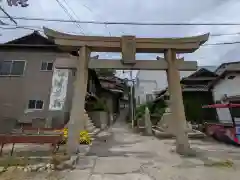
{"points": [[226, 88]]}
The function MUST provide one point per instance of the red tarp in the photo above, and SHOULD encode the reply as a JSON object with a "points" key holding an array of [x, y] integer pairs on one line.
{"points": [[221, 106]]}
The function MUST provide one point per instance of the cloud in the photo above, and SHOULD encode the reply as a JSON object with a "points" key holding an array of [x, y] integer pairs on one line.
{"points": [[140, 11], [226, 12]]}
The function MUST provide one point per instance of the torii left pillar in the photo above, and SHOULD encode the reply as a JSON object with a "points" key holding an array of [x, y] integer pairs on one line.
{"points": [[77, 120]]}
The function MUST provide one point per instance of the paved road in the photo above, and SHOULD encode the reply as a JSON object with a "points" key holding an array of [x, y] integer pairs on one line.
{"points": [[120, 154], [123, 155]]}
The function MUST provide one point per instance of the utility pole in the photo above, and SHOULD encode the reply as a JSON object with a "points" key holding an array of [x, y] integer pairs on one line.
{"points": [[131, 97], [131, 100]]}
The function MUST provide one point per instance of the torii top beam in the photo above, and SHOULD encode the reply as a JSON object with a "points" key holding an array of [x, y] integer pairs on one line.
{"points": [[114, 44]]}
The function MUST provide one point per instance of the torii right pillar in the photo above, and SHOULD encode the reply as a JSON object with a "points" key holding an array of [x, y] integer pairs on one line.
{"points": [[176, 103]]}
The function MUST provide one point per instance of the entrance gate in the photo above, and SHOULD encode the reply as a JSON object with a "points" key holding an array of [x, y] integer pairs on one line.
{"points": [[128, 46]]}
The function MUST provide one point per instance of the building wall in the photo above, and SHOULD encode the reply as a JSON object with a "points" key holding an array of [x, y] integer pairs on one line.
{"points": [[34, 84], [230, 87], [149, 81]]}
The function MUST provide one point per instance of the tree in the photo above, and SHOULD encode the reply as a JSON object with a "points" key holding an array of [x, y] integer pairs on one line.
{"points": [[106, 72]]}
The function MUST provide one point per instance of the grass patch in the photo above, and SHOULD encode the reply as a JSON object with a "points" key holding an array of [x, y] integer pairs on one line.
{"points": [[227, 164], [14, 161], [59, 158]]}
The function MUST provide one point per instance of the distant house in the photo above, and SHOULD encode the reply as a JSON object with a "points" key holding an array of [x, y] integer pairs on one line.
{"points": [[150, 82], [226, 88], [30, 87], [196, 94], [114, 93]]}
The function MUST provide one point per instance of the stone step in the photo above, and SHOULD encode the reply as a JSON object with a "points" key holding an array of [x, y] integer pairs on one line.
{"points": [[86, 117], [91, 129], [191, 135], [97, 130], [90, 124]]}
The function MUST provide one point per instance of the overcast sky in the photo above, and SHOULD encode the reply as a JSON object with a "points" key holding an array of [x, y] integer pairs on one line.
{"points": [[161, 11]]}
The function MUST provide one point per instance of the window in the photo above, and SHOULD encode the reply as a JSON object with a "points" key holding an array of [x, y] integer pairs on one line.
{"points": [[35, 104], [235, 111], [14, 68], [149, 97], [138, 100], [47, 66], [74, 72], [166, 97]]}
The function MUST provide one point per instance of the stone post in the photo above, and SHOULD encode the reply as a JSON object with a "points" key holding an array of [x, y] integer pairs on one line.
{"points": [[148, 123], [176, 103], [77, 118]]}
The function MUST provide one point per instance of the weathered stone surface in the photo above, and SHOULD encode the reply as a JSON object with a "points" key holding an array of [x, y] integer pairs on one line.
{"points": [[148, 123], [117, 165], [133, 176], [2, 169], [121, 155]]}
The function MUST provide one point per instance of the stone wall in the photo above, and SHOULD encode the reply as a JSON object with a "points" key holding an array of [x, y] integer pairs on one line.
{"points": [[99, 118]]}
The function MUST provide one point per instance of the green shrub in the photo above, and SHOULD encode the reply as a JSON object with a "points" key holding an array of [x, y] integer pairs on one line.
{"points": [[159, 108], [156, 109], [140, 111], [99, 105]]}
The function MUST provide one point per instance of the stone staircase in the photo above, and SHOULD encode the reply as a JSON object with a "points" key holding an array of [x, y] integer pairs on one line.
{"points": [[89, 126]]}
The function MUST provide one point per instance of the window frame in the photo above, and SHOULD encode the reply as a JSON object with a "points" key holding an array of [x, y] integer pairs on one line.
{"points": [[35, 109], [46, 70], [14, 75]]}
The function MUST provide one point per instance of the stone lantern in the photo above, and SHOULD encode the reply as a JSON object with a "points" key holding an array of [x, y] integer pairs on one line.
{"points": [[166, 98]]}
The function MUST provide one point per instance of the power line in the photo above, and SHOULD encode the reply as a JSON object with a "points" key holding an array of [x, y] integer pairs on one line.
{"points": [[21, 27], [35, 28], [221, 43], [40, 27], [70, 16], [226, 34], [213, 35], [8, 15], [123, 23], [105, 26], [71, 9]]}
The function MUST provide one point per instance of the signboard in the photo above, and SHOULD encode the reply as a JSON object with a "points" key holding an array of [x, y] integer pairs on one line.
{"points": [[237, 130], [59, 89]]}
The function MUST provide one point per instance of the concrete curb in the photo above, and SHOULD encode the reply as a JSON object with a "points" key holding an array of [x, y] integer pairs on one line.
{"points": [[73, 161], [84, 149]]}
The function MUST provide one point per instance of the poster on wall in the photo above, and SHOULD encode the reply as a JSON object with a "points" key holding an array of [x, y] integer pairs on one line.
{"points": [[59, 89]]}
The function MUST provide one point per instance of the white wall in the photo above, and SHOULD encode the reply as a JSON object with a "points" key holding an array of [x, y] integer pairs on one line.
{"points": [[152, 80], [230, 87]]}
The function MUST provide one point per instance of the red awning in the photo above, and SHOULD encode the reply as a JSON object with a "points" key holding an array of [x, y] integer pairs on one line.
{"points": [[221, 106]]}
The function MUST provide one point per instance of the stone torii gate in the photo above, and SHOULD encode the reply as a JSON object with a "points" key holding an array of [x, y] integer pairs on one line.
{"points": [[128, 46]]}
